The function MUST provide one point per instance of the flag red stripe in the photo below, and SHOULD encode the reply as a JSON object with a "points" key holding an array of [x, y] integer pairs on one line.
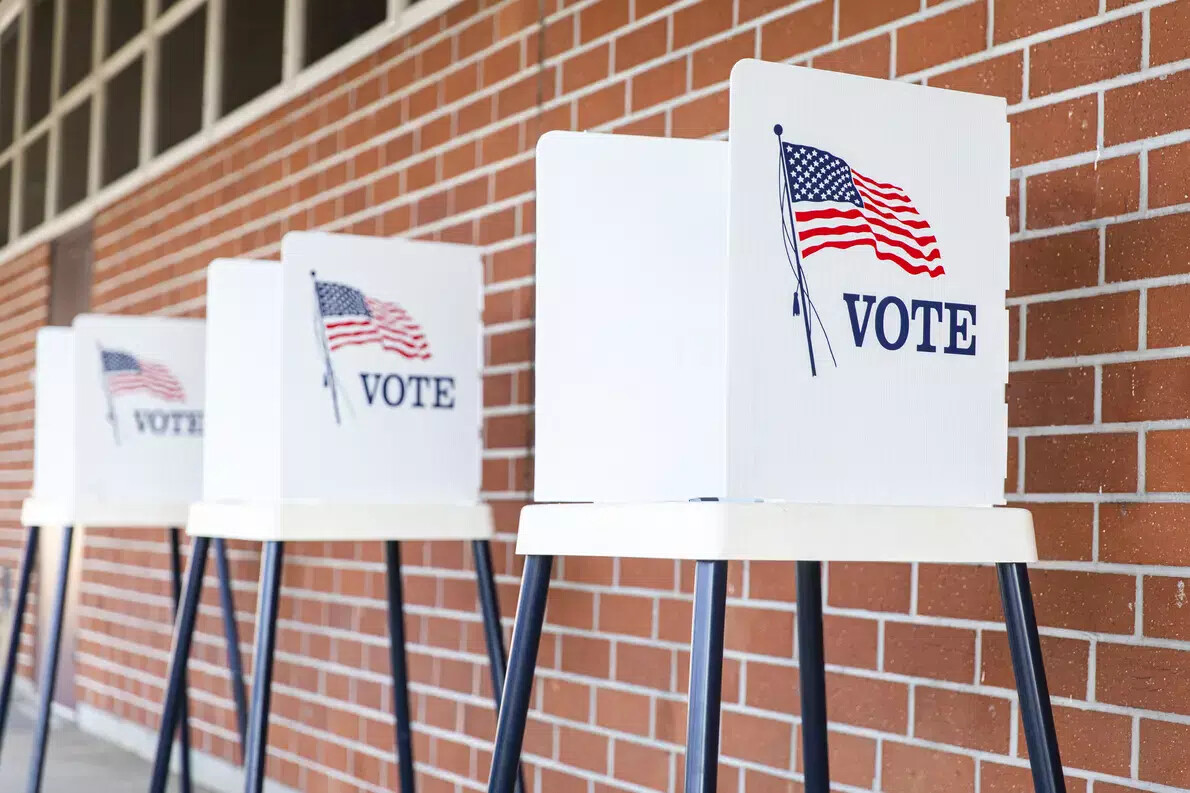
{"points": [[897, 196], [912, 269], [869, 199], [829, 214], [885, 185]]}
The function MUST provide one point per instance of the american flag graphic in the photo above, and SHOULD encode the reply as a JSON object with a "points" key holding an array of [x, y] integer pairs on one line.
{"points": [[835, 206], [351, 317], [126, 373]]}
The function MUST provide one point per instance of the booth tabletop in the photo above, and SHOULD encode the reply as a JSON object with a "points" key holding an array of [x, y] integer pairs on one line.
{"points": [[97, 514], [326, 521], [708, 530]]}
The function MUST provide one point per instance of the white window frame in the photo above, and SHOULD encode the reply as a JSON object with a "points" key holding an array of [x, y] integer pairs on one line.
{"points": [[402, 16]]}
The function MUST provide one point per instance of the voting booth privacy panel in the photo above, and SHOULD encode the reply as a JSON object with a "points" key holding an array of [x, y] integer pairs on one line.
{"points": [[345, 387], [812, 311], [118, 422]]}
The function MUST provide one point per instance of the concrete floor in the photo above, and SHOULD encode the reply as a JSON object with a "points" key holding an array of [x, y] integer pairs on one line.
{"points": [[75, 761]]}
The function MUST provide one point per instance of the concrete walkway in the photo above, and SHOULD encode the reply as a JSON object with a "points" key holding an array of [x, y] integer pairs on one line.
{"points": [[75, 761]]}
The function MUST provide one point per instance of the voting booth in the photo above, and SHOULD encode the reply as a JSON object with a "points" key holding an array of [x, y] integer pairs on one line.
{"points": [[344, 397], [791, 345], [118, 434]]}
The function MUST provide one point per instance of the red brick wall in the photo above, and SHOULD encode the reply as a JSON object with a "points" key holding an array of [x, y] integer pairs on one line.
{"points": [[433, 137]]}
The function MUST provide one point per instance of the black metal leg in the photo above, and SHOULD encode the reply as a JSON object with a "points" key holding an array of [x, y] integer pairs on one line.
{"points": [[18, 624], [231, 633], [175, 690], [706, 677], [1027, 665], [812, 673], [489, 605], [49, 668], [175, 564], [262, 683], [400, 670], [518, 685]]}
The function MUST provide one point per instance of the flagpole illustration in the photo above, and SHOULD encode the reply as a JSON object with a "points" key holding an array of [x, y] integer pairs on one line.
{"points": [[328, 377], [107, 395], [802, 291]]}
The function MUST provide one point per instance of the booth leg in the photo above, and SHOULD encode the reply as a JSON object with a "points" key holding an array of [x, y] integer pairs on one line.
{"points": [[262, 683], [18, 624], [175, 563], [706, 677], [489, 604], [400, 670], [175, 690], [812, 674], [49, 668], [518, 685], [231, 634], [1029, 669]]}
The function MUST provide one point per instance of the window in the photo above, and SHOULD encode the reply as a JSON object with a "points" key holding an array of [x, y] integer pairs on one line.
{"points": [[253, 45], [41, 51], [332, 23], [75, 162], [121, 123], [125, 18], [9, 43], [5, 200], [77, 42], [33, 191], [180, 80]]}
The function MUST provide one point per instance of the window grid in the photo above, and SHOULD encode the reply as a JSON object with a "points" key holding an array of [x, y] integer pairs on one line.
{"points": [[147, 45]]}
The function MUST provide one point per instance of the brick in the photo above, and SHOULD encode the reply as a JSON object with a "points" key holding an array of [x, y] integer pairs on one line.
{"points": [[1016, 19], [1002, 76], [1167, 320], [941, 38], [873, 586], [1167, 169], [1054, 263], [630, 615], [640, 45], [659, 84], [1051, 397], [793, 34], [699, 21], [1167, 33], [852, 759], [1014, 333], [1167, 461], [856, 16], [582, 749], [602, 18], [772, 687], [868, 58], [850, 641], [1064, 531], [712, 64], [585, 68], [756, 739], [996, 778], [1085, 57], [566, 699], [1083, 326], [1166, 610], [1146, 109], [960, 591], [1148, 534], [1066, 663], [1153, 678], [1147, 390], [759, 630], [602, 106], [973, 721], [623, 711], [866, 702], [1081, 463], [1084, 601], [701, 117], [929, 651], [1052, 131], [915, 769], [643, 665], [642, 765], [1163, 756], [1096, 190]]}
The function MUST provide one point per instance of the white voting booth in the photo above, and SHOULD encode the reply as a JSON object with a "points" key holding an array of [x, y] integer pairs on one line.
{"points": [[788, 345], [344, 398], [118, 433]]}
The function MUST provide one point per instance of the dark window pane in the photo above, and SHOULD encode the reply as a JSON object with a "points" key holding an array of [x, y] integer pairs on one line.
{"points": [[9, 45], [252, 42], [33, 189], [125, 18], [76, 45], [121, 123], [180, 80], [75, 156], [41, 47], [332, 23], [167, 5], [5, 200]]}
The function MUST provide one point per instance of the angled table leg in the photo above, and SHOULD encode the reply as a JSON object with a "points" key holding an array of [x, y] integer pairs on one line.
{"points": [[489, 604], [18, 624], [398, 662], [1029, 669], [49, 668], [175, 564], [231, 634], [706, 676], [518, 685], [812, 677], [262, 683], [175, 690]]}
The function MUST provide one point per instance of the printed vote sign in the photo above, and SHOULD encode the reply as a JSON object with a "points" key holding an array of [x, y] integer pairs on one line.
{"points": [[118, 422], [812, 311], [347, 373]]}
